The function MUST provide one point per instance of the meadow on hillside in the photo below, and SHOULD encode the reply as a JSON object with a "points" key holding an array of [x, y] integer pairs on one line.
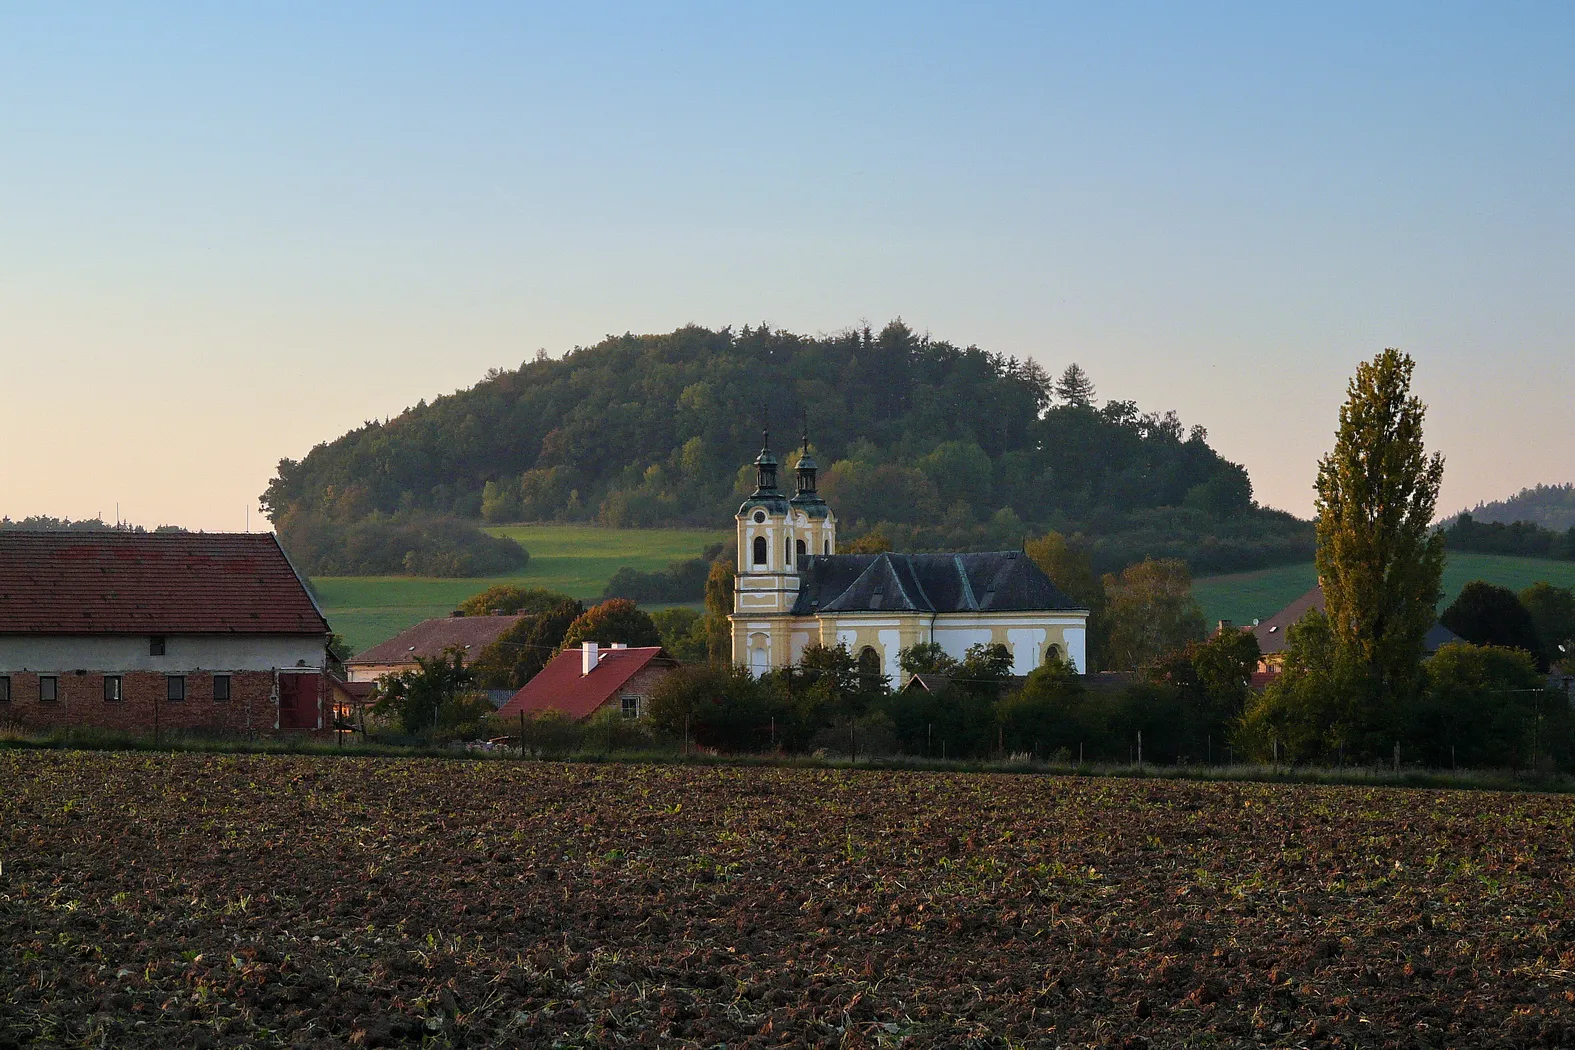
{"points": [[575, 559], [1244, 596]]}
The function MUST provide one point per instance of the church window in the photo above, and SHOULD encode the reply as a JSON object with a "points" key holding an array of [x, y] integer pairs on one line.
{"points": [[800, 546], [760, 517], [787, 552], [869, 664], [760, 550], [1053, 654], [828, 546]]}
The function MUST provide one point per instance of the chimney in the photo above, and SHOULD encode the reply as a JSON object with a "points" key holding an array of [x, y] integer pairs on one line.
{"points": [[588, 657], [620, 645], [1225, 626]]}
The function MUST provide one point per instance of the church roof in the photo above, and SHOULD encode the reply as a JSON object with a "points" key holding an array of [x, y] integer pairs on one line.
{"points": [[999, 581]]}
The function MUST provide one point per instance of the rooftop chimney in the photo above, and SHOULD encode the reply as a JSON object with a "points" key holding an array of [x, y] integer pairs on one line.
{"points": [[1225, 626], [588, 657]]}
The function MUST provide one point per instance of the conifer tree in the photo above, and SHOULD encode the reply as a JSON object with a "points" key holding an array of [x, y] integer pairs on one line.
{"points": [[1379, 561], [1074, 387]]}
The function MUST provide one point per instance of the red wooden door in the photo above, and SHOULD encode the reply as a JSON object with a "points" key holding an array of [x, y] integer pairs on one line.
{"points": [[298, 701]]}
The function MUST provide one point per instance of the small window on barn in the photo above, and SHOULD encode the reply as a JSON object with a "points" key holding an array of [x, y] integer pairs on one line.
{"points": [[175, 687], [156, 645], [5, 689], [112, 687], [221, 687], [631, 706], [760, 550], [48, 688]]}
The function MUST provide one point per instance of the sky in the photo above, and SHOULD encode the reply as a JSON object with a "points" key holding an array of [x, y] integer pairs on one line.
{"points": [[229, 232]]}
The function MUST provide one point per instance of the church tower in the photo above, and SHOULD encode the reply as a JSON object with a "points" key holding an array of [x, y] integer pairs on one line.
{"points": [[776, 536]]}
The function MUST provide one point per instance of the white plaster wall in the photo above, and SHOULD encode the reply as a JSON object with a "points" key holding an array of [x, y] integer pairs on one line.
{"points": [[1077, 647], [954, 642], [182, 653], [1027, 643], [891, 646]]}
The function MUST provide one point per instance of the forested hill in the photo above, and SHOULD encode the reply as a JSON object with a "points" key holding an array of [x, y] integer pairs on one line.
{"points": [[1550, 506], [937, 445]]}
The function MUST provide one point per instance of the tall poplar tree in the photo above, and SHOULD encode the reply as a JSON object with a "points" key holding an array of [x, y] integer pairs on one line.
{"points": [[1379, 561]]}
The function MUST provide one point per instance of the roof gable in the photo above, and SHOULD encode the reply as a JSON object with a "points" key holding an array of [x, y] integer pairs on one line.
{"points": [[430, 638], [998, 581], [561, 687], [114, 582]]}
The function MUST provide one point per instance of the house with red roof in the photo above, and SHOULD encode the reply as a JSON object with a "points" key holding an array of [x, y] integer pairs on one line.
{"points": [[151, 631], [429, 639], [580, 682]]}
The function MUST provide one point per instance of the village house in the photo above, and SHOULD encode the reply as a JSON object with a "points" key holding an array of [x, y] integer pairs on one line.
{"points": [[792, 590], [1272, 641], [428, 639], [172, 631], [579, 683]]}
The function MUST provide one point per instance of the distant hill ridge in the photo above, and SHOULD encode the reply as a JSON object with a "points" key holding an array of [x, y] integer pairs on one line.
{"points": [[1549, 506], [938, 446]]}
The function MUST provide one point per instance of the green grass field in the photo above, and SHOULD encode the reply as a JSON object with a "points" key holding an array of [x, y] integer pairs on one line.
{"points": [[1245, 596], [575, 559]]}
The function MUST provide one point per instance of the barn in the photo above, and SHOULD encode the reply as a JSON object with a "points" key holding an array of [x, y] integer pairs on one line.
{"points": [[158, 631]]}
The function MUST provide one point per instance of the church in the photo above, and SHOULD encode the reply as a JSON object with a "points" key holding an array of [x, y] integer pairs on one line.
{"points": [[793, 590]]}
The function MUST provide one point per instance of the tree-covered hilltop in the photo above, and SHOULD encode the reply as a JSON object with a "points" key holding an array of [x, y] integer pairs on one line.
{"points": [[942, 445], [1548, 506]]}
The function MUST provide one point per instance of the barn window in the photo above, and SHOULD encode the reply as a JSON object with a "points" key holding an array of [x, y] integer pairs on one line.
{"points": [[156, 645], [760, 550], [48, 688], [175, 687], [869, 664], [5, 689], [631, 706], [112, 687], [800, 546], [221, 687]]}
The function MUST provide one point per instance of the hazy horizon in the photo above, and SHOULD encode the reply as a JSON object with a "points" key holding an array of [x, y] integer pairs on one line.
{"points": [[229, 234]]}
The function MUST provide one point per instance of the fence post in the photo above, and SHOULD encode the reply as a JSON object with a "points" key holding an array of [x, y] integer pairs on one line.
{"points": [[522, 733], [1140, 750], [1397, 756]]}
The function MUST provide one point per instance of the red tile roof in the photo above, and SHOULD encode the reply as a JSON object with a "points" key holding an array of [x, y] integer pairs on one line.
{"points": [[430, 637], [151, 583], [561, 687]]}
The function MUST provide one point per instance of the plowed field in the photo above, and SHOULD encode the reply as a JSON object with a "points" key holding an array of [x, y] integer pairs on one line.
{"points": [[205, 901]]}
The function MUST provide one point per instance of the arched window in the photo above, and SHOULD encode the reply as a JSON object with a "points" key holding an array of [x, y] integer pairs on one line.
{"points": [[1053, 655], [760, 550], [828, 546], [869, 665], [800, 546], [787, 552]]}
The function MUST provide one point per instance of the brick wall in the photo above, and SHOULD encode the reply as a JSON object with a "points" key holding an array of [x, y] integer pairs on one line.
{"points": [[640, 685], [143, 704]]}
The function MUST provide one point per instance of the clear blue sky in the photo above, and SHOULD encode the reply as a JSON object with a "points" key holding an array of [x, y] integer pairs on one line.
{"points": [[230, 231]]}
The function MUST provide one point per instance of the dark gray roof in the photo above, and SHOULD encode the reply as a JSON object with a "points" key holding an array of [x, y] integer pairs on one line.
{"points": [[1271, 632], [999, 581]]}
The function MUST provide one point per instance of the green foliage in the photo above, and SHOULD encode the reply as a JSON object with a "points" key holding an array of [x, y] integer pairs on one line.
{"points": [[1150, 611], [1549, 506], [1313, 710], [506, 599], [520, 653], [718, 606], [436, 699], [1521, 539], [1380, 562], [925, 658], [615, 620], [405, 543], [685, 633], [1487, 614], [918, 434], [681, 581], [721, 707], [1552, 612], [1486, 706], [1050, 714], [1070, 566]]}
